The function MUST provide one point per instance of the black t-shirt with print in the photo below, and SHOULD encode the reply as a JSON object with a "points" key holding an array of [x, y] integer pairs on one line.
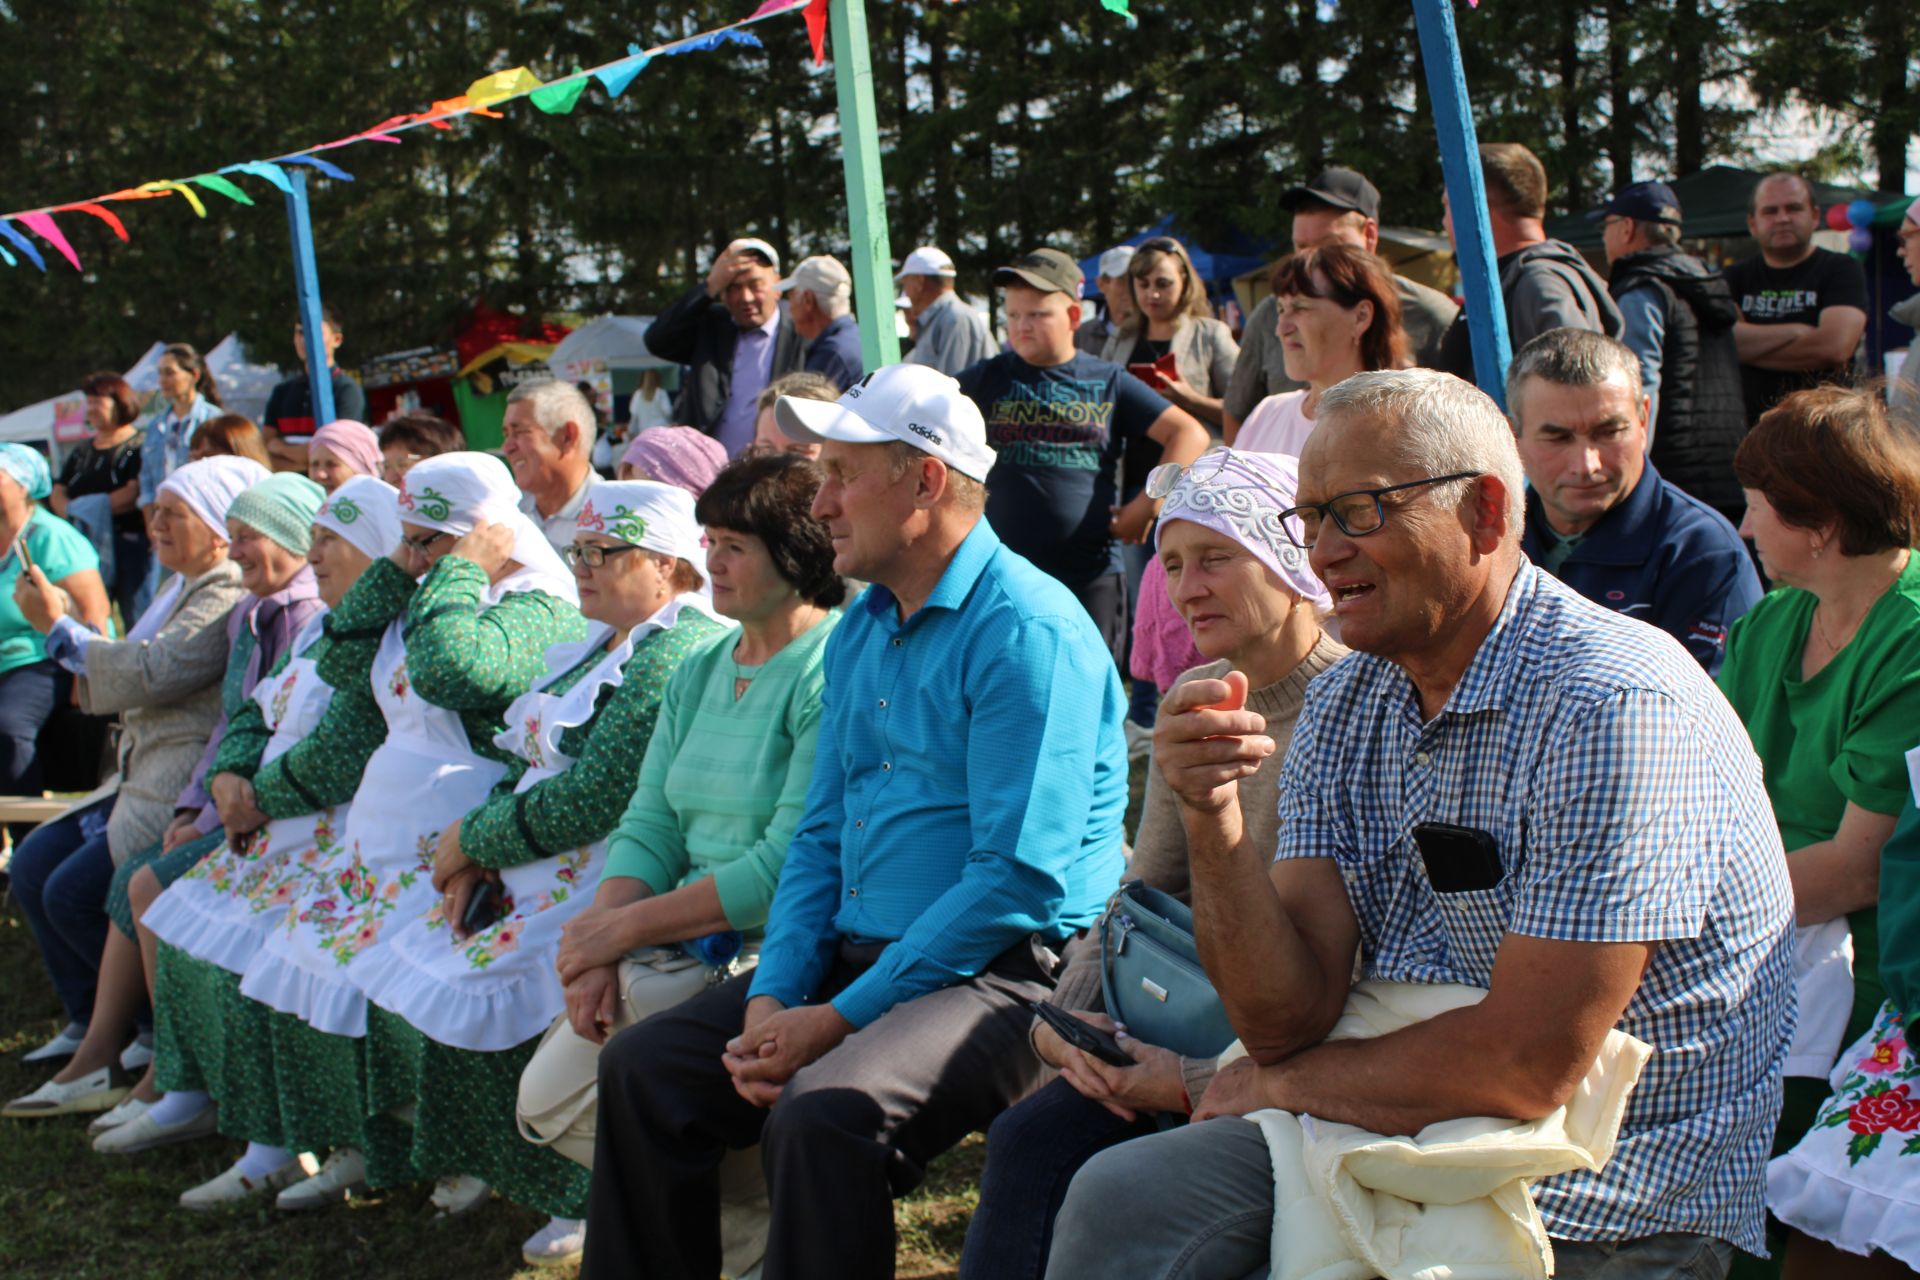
{"points": [[1792, 295]]}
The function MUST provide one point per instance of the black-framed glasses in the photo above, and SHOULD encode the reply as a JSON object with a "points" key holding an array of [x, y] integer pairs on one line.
{"points": [[424, 546], [1357, 513], [590, 554]]}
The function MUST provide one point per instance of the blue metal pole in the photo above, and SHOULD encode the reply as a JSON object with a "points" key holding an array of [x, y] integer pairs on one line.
{"points": [[306, 292], [1466, 195]]}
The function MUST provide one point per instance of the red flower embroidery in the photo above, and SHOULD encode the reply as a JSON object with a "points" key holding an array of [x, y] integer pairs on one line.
{"points": [[1879, 1112]]}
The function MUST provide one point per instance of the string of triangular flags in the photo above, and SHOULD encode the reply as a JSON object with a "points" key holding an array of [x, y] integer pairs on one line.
{"points": [[482, 98]]}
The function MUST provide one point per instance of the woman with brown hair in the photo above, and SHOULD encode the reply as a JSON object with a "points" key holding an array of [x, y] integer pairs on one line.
{"points": [[231, 435], [1173, 325], [107, 469], [191, 399], [1825, 674], [1339, 314]]}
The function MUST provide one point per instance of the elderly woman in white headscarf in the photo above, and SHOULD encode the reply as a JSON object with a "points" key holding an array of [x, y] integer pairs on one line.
{"points": [[1254, 607], [464, 990], [164, 680]]}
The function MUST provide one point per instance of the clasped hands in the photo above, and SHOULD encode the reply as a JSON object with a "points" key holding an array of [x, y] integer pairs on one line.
{"points": [[776, 1042]]}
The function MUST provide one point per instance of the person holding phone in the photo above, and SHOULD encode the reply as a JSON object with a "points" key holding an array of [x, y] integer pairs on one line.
{"points": [[37, 548], [1252, 605], [1508, 787], [1171, 340]]}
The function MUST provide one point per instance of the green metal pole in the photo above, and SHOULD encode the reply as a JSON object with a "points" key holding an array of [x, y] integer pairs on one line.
{"points": [[866, 185]]}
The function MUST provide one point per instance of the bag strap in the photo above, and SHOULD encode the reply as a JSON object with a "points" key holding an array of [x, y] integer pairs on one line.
{"points": [[1106, 953]]}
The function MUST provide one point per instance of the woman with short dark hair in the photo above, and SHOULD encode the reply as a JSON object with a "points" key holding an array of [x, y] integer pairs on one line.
{"points": [[1825, 674], [107, 470], [692, 866], [408, 438]]}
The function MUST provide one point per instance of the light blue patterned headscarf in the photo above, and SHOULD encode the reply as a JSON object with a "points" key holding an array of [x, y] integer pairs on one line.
{"points": [[28, 469], [1241, 495]]}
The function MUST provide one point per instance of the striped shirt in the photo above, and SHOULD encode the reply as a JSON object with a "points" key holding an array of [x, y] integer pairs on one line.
{"points": [[1628, 807], [969, 787]]}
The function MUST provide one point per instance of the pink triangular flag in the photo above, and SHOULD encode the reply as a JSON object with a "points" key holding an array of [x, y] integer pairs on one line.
{"points": [[42, 225]]}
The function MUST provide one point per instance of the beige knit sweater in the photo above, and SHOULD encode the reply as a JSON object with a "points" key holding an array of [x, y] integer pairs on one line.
{"points": [[1160, 848]]}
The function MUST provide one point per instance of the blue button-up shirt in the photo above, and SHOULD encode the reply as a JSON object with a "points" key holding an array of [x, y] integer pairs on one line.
{"points": [[969, 789], [1627, 805], [835, 354]]}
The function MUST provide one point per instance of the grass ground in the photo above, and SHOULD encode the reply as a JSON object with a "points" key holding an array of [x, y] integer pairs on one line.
{"points": [[69, 1214]]}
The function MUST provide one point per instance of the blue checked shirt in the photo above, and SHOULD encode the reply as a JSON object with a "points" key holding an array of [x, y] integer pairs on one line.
{"points": [[969, 787], [1628, 807]]}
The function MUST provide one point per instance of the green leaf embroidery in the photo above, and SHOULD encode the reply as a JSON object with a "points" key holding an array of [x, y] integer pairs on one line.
{"points": [[1832, 1119], [1862, 1146], [1912, 1148]]}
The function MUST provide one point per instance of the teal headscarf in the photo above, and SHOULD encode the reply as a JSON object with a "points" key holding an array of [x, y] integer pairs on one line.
{"points": [[28, 468]]}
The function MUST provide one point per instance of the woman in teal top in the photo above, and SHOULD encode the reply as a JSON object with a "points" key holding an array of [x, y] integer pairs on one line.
{"points": [[1825, 674], [31, 685], [693, 864]]}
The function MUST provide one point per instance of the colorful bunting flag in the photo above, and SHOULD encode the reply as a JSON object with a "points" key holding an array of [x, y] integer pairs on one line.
{"points": [[24, 245], [214, 182], [105, 215], [41, 224], [560, 98]]}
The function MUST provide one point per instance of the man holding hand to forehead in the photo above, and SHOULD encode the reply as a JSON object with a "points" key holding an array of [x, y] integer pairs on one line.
{"points": [[963, 822], [733, 337], [1508, 788], [1599, 517], [1059, 421]]}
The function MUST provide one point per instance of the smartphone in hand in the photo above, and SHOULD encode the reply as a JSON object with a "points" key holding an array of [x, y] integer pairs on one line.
{"points": [[1083, 1035]]}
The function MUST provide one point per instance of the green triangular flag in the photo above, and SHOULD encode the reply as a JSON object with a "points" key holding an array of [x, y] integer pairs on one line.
{"points": [[560, 99]]}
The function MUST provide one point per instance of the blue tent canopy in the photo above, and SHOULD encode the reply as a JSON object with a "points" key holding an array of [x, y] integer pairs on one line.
{"points": [[1218, 263]]}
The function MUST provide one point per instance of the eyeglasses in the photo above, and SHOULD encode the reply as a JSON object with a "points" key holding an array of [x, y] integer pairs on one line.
{"points": [[590, 554], [1357, 513], [1165, 478], [423, 545]]}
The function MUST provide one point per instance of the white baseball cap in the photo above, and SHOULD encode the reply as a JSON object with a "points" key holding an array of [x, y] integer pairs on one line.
{"points": [[926, 261], [1114, 262], [907, 402], [759, 246], [819, 275]]}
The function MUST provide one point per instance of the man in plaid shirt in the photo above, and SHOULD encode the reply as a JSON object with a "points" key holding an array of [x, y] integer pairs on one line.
{"points": [[1619, 866]]}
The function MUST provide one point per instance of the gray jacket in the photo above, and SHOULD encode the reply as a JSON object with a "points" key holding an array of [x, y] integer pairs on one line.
{"points": [[1203, 352], [167, 692]]}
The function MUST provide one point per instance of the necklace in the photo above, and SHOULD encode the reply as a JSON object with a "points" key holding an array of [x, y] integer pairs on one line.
{"points": [[1847, 631], [742, 675]]}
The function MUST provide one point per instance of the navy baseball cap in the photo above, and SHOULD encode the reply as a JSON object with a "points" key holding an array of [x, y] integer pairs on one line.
{"points": [[1643, 202]]}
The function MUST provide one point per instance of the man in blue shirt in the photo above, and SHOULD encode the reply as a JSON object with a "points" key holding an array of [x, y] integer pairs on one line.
{"points": [[964, 820], [1505, 787], [819, 296], [1599, 517]]}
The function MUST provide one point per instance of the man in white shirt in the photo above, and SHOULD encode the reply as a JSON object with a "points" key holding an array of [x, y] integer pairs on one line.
{"points": [[549, 431], [949, 335]]}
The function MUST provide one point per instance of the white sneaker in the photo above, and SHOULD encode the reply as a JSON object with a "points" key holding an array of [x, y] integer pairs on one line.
{"points": [[96, 1091], [144, 1133], [459, 1193], [60, 1047], [135, 1057], [233, 1185], [561, 1241], [130, 1108], [344, 1173]]}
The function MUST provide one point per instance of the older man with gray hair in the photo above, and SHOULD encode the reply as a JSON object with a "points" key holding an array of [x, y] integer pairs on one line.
{"points": [[548, 445], [819, 302], [1509, 788]]}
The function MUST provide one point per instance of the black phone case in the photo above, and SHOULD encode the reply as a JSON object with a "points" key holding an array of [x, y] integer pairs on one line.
{"points": [[1080, 1035], [1458, 859], [483, 908]]}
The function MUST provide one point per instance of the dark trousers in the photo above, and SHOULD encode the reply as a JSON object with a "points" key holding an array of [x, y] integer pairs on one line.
{"points": [[1033, 1151], [132, 555], [60, 878], [28, 696], [848, 1134], [1105, 600]]}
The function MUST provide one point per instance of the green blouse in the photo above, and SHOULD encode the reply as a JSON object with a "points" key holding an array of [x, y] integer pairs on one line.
{"points": [[581, 804], [724, 782]]}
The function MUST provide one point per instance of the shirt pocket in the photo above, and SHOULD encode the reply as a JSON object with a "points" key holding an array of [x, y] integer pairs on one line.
{"points": [[1475, 922]]}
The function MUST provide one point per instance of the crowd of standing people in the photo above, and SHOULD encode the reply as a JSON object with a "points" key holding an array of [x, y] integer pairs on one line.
{"points": [[694, 843]]}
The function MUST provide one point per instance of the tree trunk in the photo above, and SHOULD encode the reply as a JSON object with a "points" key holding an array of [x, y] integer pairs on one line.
{"points": [[1689, 125], [1895, 118], [1620, 131], [1570, 128], [1311, 138]]}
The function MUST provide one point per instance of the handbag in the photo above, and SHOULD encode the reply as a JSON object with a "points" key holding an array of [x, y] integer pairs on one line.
{"points": [[1151, 976]]}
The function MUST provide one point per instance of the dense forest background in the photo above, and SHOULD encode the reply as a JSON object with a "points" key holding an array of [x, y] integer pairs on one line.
{"points": [[1006, 123]]}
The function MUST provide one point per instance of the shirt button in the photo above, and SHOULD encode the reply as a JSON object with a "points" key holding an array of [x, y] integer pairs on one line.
{"points": [[859, 823], [853, 893], [886, 766], [1421, 757], [883, 704], [896, 642]]}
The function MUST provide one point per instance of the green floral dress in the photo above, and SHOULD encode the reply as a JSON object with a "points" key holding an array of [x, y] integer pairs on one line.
{"points": [[476, 1010]]}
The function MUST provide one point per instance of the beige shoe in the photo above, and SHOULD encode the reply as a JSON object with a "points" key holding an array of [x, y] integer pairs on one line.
{"points": [[344, 1173], [234, 1186], [459, 1193], [144, 1133], [130, 1108], [96, 1091]]}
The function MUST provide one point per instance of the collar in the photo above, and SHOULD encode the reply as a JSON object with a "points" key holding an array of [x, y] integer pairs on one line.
{"points": [[570, 509], [836, 325], [768, 329], [1487, 680], [302, 587], [969, 562], [1625, 535]]}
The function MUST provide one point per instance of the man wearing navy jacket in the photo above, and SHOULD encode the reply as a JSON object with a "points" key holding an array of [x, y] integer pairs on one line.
{"points": [[1599, 517]]}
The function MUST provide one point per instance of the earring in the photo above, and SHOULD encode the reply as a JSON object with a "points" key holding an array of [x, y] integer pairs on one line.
{"points": [[1818, 551]]}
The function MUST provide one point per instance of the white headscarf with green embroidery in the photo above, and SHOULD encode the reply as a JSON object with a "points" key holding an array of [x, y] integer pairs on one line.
{"points": [[453, 492], [643, 513], [366, 512]]}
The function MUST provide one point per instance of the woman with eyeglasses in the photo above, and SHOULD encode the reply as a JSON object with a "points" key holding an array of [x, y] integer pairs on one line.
{"points": [[1339, 314], [1239, 578], [410, 438], [466, 610], [464, 990]]}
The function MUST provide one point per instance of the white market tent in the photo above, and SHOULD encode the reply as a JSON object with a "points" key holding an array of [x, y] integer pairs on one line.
{"points": [[618, 340]]}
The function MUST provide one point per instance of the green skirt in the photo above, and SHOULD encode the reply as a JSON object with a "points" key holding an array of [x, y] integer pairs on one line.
{"points": [[464, 1117]]}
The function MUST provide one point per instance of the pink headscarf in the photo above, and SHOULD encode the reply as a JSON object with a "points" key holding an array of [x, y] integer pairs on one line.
{"points": [[681, 456], [354, 443]]}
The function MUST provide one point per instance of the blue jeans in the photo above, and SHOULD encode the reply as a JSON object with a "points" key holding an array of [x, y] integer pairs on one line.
{"points": [[28, 696], [60, 878], [1033, 1150]]}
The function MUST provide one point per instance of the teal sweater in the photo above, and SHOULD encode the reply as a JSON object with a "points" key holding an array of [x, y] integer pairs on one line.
{"points": [[724, 782]]}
